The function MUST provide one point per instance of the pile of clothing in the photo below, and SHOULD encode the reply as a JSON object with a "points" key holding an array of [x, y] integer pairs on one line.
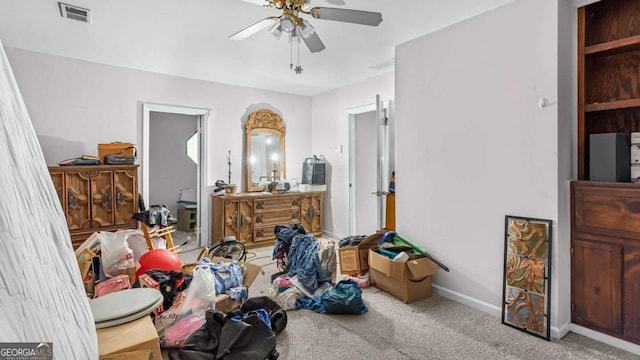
{"points": [[305, 282]]}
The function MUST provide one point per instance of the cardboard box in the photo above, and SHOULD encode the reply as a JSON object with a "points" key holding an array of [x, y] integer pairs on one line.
{"points": [[115, 148], [408, 281], [354, 259], [224, 303], [130, 338]]}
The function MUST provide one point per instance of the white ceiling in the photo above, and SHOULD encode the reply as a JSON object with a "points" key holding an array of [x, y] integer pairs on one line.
{"points": [[189, 38]]}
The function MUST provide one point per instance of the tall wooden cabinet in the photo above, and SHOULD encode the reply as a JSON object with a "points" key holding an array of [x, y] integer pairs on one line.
{"points": [[252, 217], [605, 224], [96, 198]]}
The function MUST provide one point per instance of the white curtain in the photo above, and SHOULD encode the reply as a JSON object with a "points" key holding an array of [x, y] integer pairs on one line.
{"points": [[41, 294]]}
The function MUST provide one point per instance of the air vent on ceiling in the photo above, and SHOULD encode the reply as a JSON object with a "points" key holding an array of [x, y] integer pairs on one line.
{"points": [[75, 12]]}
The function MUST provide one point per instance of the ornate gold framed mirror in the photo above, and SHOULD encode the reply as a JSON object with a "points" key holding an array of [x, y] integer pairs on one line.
{"points": [[264, 149]]}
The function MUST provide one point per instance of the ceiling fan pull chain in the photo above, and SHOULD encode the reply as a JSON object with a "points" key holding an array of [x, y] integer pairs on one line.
{"points": [[290, 53], [298, 69]]}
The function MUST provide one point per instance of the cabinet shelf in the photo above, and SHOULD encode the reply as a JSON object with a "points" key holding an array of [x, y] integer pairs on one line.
{"points": [[612, 47], [612, 105]]}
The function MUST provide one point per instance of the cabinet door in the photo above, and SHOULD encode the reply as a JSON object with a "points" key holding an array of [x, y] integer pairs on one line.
{"points": [[632, 293], [102, 203], [77, 208], [237, 220], [125, 199], [58, 185], [596, 293], [310, 218]]}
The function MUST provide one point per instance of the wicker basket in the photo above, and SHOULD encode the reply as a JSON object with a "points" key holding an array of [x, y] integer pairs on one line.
{"points": [[187, 269]]}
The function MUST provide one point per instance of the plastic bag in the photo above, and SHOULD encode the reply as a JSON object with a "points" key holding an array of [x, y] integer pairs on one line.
{"points": [[114, 252], [228, 275], [178, 323], [344, 298], [137, 243]]}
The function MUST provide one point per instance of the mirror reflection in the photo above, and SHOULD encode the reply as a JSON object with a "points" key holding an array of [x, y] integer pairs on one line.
{"points": [[264, 149], [265, 157]]}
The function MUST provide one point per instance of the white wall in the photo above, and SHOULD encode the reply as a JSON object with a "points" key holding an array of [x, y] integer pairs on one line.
{"points": [[330, 129], [74, 105], [473, 145]]}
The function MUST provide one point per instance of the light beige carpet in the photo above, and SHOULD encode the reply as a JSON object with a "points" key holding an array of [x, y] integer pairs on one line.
{"points": [[434, 328]]}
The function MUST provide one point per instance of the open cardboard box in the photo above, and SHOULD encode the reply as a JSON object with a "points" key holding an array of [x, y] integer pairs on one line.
{"points": [[224, 303], [354, 259], [408, 281], [129, 341]]}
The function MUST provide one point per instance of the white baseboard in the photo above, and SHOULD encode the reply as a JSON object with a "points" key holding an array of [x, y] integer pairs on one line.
{"points": [[562, 331], [468, 300], [332, 235], [607, 339], [556, 333]]}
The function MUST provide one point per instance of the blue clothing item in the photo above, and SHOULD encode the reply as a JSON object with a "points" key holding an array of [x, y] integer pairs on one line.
{"points": [[239, 293], [284, 235], [305, 262], [313, 303], [228, 274], [260, 313]]}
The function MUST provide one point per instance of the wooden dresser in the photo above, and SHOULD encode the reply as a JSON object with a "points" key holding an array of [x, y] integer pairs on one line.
{"points": [[605, 231], [252, 217], [96, 198]]}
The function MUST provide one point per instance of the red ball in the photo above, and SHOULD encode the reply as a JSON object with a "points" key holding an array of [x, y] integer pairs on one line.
{"points": [[162, 259]]}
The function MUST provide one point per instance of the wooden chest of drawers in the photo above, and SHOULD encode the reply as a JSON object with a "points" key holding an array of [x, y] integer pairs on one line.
{"points": [[252, 217], [96, 198]]}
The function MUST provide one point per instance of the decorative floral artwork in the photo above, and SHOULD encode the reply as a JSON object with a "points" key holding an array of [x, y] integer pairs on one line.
{"points": [[526, 275]]}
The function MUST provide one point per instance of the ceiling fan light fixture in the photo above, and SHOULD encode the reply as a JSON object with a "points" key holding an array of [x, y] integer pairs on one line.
{"points": [[287, 24], [294, 38], [276, 30], [306, 29]]}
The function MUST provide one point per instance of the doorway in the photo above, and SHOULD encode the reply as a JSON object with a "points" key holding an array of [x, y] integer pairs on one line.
{"points": [[174, 167], [369, 161]]}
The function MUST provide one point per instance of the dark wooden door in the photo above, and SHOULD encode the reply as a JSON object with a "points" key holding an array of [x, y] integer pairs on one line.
{"points": [[632, 293], [596, 288]]}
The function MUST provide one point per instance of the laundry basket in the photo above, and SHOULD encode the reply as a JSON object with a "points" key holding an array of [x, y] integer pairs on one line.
{"points": [[188, 268]]}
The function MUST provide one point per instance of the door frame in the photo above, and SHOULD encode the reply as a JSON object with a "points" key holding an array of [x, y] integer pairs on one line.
{"points": [[351, 115], [202, 119]]}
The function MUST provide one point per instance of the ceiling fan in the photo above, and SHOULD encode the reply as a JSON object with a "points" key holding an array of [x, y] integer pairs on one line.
{"points": [[290, 21]]}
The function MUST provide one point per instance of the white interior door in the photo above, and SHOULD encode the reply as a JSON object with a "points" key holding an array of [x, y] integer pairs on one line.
{"points": [[368, 167]]}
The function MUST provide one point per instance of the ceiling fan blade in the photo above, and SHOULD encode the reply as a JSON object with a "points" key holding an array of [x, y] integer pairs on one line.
{"points": [[347, 15], [258, 2], [248, 31], [313, 43]]}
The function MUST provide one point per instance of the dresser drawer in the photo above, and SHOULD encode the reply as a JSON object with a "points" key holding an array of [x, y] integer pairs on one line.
{"points": [[611, 211], [276, 204], [277, 217]]}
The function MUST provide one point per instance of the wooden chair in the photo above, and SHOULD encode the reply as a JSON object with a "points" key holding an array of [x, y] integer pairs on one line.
{"points": [[159, 232]]}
